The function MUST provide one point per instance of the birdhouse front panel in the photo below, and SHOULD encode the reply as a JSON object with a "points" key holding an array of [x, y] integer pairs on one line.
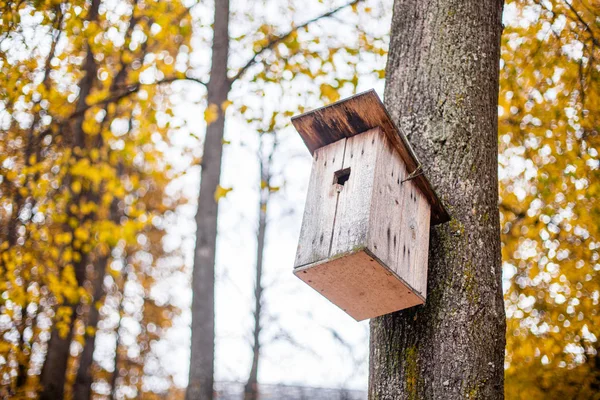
{"points": [[364, 238], [365, 232]]}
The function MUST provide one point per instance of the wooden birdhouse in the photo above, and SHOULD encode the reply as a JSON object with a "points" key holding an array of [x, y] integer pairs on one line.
{"points": [[365, 232]]}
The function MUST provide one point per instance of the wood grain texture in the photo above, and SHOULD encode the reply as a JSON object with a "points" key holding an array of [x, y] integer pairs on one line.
{"points": [[356, 115], [399, 220], [360, 285], [321, 203], [372, 212], [354, 203]]}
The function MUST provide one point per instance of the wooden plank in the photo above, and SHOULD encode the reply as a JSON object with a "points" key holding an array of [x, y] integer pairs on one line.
{"points": [[356, 115], [321, 202], [354, 203], [420, 241], [399, 220], [360, 285]]}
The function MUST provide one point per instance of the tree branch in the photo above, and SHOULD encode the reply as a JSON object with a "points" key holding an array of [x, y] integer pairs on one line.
{"points": [[587, 27], [278, 39], [128, 91]]}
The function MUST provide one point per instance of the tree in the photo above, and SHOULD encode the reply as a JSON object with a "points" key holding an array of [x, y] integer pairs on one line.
{"points": [[265, 157], [441, 90], [84, 118], [200, 384], [277, 53], [548, 135], [84, 114]]}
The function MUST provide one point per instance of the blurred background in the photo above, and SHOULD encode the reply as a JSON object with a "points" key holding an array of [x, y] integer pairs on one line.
{"points": [[104, 109]]}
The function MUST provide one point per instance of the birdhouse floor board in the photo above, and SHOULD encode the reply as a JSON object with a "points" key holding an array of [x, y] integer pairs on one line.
{"points": [[360, 285]]}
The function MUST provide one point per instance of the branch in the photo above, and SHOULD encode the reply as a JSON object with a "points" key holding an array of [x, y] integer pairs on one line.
{"points": [[278, 39], [128, 91], [587, 27], [131, 89], [519, 215]]}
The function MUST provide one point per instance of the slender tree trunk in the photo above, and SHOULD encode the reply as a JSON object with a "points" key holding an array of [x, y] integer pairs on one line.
{"points": [[33, 148], [54, 370], [203, 279], [82, 387], [115, 375], [442, 88], [251, 389]]}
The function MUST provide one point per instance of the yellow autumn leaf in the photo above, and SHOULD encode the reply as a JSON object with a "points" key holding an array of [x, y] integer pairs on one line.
{"points": [[221, 192], [329, 92], [5, 347], [90, 331], [76, 187], [225, 105], [211, 114]]}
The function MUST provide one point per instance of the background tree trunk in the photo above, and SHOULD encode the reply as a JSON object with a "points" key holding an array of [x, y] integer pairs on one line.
{"points": [[53, 376], [251, 391], [203, 278], [82, 387], [441, 90], [251, 388]]}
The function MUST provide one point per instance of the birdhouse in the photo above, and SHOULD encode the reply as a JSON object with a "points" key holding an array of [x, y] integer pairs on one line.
{"points": [[365, 231]]}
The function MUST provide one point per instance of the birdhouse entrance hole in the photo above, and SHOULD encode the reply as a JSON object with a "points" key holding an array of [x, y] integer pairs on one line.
{"points": [[341, 176]]}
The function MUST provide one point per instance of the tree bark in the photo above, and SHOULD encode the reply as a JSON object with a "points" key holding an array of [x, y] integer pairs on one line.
{"points": [[54, 370], [251, 389], [200, 385], [115, 375], [441, 90], [82, 388]]}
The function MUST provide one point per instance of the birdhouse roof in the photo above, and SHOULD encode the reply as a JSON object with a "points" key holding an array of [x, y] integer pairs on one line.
{"points": [[355, 115]]}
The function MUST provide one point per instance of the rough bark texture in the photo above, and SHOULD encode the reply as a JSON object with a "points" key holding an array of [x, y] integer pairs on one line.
{"points": [[442, 87], [203, 278]]}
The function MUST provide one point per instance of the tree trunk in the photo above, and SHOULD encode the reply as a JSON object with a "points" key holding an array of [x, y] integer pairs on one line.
{"points": [[82, 387], [203, 278], [115, 375], [53, 375], [441, 90], [251, 389], [55, 365]]}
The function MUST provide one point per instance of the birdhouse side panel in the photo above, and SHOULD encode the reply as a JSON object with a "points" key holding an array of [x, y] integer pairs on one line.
{"points": [[321, 200], [354, 203], [400, 219]]}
